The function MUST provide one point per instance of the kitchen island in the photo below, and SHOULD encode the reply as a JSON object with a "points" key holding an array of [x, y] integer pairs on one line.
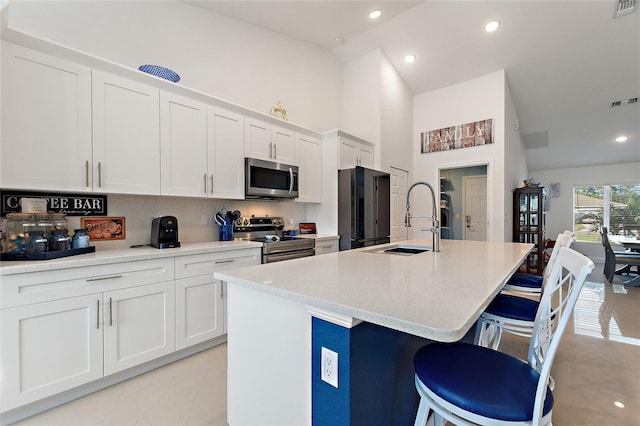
{"points": [[371, 308]]}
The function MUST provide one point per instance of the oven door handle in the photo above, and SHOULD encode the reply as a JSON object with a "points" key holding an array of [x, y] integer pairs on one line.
{"points": [[270, 258]]}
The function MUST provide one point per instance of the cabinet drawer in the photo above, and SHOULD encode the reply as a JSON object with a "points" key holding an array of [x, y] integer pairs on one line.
{"points": [[35, 287], [208, 263], [327, 246]]}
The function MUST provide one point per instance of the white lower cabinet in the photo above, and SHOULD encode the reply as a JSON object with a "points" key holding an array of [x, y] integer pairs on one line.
{"points": [[139, 325], [327, 245], [55, 346], [64, 328], [200, 299], [50, 347]]}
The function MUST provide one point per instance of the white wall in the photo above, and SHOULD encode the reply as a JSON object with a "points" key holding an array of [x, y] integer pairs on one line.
{"points": [[397, 119], [473, 100], [560, 214], [139, 211], [361, 113], [377, 106], [225, 58], [515, 165]]}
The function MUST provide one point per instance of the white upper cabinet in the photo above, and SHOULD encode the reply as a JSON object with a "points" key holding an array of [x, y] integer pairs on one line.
{"points": [[183, 140], [309, 159], [225, 134], [126, 136], [46, 122], [352, 153], [257, 139], [267, 142], [283, 145]]}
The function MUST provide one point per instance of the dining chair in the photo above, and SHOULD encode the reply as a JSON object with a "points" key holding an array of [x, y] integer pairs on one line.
{"points": [[531, 284], [515, 314], [465, 383], [614, 258]]}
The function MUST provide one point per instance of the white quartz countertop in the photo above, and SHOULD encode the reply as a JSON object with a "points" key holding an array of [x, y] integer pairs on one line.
{"points": [[438, 296], [102, 257]]}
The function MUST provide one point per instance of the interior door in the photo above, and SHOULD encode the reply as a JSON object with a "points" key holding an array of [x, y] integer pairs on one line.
{"points": [[475, 208], [399, 179]]}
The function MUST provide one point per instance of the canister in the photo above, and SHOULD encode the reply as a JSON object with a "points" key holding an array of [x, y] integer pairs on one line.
{"points": [[59, 240], [80, 239], [36, 242]]}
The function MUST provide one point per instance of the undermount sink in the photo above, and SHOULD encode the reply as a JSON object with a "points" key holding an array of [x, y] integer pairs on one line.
{"points": [[401, 249]]}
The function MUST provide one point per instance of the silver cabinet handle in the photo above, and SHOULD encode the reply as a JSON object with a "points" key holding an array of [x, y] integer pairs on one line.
{"points": [[290, 180], [275, 150], [86, 173], [110, 312], [221, 293], [98, 315], [110, 277], [99, 174], [212, 183], [224, 261], [205, 183], [270, 150]]}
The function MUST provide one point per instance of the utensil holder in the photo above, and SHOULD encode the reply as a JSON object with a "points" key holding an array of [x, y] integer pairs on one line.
{"points": [[226, 232]]}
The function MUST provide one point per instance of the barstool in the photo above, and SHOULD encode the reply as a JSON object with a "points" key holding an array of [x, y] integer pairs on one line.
{"points": [[515, 314], [465, 383]]}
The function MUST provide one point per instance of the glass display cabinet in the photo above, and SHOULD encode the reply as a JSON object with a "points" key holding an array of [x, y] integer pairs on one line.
{"points": [[529, 218]]}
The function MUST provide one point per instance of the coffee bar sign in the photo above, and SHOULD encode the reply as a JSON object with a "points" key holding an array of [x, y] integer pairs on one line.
{"points": [[69, 204]]}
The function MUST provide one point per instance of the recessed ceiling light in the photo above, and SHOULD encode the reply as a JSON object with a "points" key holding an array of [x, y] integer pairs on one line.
{"points": [[410, 58], [618, 404], [375, 14], [492, 26], [621, 138]]}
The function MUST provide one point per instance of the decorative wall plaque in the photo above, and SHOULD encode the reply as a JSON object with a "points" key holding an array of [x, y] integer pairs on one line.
{"points": [[104, 228], [456, 137], [69, 204]]}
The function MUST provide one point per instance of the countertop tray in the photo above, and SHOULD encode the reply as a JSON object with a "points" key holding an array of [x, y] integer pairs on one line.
{"points": [[47, 255]]}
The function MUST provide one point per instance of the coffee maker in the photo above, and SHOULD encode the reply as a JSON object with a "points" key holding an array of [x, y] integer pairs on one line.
{"points": [[164, 232]]}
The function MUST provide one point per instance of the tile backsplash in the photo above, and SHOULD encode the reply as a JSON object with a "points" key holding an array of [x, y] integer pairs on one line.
{"points": [[140, 210]]}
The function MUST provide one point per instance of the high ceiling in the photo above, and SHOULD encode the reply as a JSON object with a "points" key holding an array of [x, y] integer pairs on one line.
{"points": [[566, 61]]}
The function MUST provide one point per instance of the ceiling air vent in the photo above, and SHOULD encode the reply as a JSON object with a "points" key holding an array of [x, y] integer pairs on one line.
{"points": [[624, 102], [625, 7]]}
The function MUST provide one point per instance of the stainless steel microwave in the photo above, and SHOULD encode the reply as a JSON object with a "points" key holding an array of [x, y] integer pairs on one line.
{"points": [[268, 179]]}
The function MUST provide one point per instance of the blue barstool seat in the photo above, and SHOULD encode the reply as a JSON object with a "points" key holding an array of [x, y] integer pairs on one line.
{"points": [[463, 374], [530, 284], [526, 280], [518, 308]]}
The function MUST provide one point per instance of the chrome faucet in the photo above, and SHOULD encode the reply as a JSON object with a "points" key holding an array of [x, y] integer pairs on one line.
{"points": [[435, 228]]}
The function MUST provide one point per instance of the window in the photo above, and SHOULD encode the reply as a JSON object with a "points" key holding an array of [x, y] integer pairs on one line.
{"points": [[608, 205]]}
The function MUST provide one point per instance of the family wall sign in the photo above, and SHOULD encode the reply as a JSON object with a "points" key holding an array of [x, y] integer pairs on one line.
{"points": [[456, 137]]}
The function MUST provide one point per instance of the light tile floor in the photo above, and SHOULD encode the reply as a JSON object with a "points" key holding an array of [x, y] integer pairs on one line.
{"points": [[597, 366]]}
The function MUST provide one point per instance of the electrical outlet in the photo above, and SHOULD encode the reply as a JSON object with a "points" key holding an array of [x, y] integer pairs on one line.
{"points": [[329, 366]]}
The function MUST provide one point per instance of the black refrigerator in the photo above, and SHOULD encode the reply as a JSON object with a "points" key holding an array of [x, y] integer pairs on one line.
{"points": [[363, 207]]}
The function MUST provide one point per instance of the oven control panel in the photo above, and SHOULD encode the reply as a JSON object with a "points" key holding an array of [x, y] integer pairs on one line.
{"points": [[258, 223]]}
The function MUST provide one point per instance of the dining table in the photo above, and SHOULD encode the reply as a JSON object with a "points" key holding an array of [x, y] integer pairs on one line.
{"points": [[629, 242]]}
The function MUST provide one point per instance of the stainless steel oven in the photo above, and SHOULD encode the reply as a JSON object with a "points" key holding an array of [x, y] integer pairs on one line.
{"points": [[269, 231]]}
